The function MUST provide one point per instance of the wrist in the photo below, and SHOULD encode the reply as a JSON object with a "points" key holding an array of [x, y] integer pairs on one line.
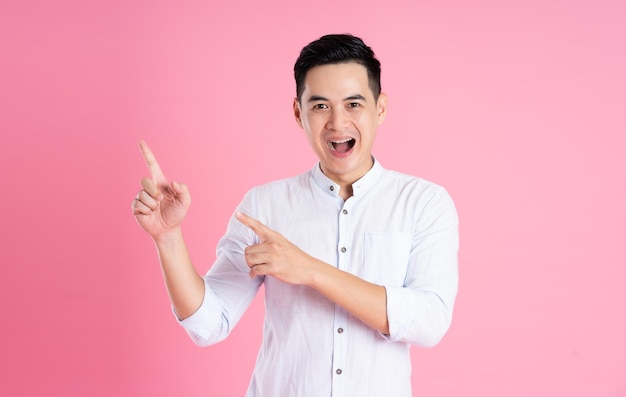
{"points": [[317, 274], [169, 237]]}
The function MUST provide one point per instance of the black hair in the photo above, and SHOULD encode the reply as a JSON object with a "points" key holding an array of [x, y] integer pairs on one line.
{"points": [[337, 48]]}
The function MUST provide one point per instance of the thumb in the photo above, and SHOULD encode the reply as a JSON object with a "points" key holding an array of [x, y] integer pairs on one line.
{"points": [[182, 192]]}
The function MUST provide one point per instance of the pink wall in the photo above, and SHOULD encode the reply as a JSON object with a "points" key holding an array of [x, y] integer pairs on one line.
{"points": [[518, 108]]}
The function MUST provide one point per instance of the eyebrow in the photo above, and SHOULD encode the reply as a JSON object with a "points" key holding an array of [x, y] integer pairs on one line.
{"points": [[316, 98], [357, 97]]}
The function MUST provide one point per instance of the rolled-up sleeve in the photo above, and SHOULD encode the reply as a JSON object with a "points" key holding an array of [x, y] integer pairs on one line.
{"points": [[420, 312], [228, 288], [207, 324]]}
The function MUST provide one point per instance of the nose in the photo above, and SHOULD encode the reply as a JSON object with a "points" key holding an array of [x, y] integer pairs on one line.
{"points": [[338, 119]]}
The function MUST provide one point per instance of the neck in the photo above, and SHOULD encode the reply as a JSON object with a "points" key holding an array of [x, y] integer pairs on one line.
{"points": [[345, 191]]}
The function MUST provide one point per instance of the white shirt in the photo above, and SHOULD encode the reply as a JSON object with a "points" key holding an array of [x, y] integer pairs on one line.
{"points": [[396, 230]]}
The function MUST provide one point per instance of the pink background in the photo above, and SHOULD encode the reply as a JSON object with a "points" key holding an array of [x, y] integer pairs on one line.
{"points": [[518, 108]]}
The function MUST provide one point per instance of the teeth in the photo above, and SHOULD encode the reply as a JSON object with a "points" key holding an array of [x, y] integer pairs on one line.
{"points": [[331, 144]]}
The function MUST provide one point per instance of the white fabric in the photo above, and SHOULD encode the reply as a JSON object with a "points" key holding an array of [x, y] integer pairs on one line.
{"points": [[398, 231]]}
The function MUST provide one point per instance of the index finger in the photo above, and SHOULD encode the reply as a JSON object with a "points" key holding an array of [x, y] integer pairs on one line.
{"points": [[256, 226], [151, 162]]}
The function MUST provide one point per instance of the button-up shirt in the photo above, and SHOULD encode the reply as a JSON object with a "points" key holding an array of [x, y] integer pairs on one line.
{"points": [[395, 230]]}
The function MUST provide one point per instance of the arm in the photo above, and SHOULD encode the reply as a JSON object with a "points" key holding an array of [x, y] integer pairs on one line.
{"points": [[419, 312], [364, 300], [185, 287], [278, 257], [160, 208]]}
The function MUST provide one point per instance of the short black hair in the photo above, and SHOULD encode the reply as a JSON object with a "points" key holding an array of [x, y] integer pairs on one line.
{"points": [[337, 48]]}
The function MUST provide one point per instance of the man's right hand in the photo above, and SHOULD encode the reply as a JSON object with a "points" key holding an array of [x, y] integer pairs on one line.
{"points": [[160, 206]]}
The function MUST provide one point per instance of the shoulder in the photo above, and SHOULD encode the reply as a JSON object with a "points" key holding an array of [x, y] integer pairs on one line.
{"points": [[416, 195], [281, 185], [279, 191], [412, 184]]}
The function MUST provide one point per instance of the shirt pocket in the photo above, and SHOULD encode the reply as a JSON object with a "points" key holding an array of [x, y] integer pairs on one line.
{"points": [[387, 257]]}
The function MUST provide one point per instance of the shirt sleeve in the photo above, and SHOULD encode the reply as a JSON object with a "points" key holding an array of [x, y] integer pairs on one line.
{"points": [[228, 288], [420, 312]]}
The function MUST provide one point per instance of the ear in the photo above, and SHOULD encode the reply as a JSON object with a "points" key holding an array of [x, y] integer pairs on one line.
{"points": [[297, 112], [381, 106]]}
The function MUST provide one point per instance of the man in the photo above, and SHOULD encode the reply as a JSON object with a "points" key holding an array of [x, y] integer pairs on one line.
{"points": [[358, 262]]}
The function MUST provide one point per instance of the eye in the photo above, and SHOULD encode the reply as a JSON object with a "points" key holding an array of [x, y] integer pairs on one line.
{"points": [[320, 106], [354, 105]]}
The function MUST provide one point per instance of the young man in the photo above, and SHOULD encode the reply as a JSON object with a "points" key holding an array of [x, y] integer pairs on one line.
{"points": [[358, 262]]}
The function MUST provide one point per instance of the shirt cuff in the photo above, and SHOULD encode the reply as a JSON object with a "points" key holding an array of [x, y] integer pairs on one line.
{"points": [[206, 320], [396, 313]]}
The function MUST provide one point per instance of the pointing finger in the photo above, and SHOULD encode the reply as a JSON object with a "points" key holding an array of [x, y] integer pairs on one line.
{"points": [[151, 162], [257, 227]]}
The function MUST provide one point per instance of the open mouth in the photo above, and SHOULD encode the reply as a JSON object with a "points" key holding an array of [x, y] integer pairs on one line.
{"points": [[341, 146]]}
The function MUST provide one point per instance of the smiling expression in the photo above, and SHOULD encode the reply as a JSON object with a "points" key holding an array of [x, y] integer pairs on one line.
{"points": [[340, 116]]}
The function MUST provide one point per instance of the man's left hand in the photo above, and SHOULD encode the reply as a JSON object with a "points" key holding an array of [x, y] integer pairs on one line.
{"points": [[275, 255]]}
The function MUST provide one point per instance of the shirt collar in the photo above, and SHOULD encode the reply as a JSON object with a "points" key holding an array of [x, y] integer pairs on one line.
{"points": [[360, 187]]}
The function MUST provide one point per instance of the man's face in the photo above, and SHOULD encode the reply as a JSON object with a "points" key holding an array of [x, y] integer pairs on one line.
{"points": [[340, 116]]}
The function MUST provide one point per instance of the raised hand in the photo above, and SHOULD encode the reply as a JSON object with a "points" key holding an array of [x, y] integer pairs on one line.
{"points": [[160, 206], [275, 255]]}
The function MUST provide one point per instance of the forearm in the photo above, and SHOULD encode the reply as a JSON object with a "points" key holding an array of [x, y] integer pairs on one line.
{"points": [[278, 257], [185, 286], [364, 300]]}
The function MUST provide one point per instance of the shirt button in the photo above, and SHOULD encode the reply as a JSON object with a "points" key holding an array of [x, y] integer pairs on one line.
{"points": [[345, 212], [343, 249], [340, 330], [338, 371], [332, 188]]}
